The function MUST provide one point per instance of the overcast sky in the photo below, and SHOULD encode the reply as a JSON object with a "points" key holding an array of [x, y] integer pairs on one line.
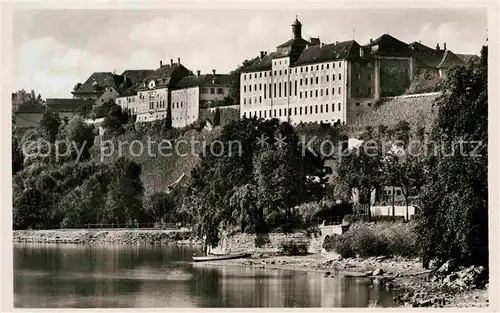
{"points": [[54, 50]]}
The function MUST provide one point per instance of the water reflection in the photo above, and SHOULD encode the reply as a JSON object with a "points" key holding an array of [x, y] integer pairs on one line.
{"points": [[146, 276]]}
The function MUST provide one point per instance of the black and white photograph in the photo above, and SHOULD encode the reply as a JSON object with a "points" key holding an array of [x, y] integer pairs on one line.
{"points": [[252, 156]]}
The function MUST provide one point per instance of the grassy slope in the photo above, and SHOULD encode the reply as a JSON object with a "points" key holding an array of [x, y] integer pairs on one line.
{"points": [[159, 171], [416, 111]]}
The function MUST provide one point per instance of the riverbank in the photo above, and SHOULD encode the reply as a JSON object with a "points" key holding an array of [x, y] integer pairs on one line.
{"points": [[100, 237], [417, 286]]}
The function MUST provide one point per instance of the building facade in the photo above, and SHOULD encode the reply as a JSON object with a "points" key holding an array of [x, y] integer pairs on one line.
{"points": [[128, 99], [197, 92], [310, 82], [307, 81], [154, 96]]}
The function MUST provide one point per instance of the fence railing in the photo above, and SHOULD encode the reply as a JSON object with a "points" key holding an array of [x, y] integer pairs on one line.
{"points": [[115, 226], [112, 226]]}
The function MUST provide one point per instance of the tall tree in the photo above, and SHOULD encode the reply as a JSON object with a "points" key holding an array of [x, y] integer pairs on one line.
{"points": [[49, 124], [361, 170], [168, 118], [217, 117], [81, 134], [17, 156], [454, 203], [115, 118]]}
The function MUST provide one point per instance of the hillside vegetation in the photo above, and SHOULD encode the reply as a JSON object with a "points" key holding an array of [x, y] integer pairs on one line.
{"points": [[159, 170], [416, 111]]}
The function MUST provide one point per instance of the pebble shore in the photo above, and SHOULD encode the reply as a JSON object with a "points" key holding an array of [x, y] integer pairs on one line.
{"points": [[418, 288]]}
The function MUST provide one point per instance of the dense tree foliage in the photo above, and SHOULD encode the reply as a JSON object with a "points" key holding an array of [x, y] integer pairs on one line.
{"points": [[361, 170], [81, 135], [454, 203], [17, 155], [115, 118], [216, 120], [256, 186], [49, 125]]}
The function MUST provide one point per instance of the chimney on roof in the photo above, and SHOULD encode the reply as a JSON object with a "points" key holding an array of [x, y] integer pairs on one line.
{"points": [[420, 41], [314, 41], [444, 46], [171, 62], [179, 61], [336, 42], [263, 54], [198, 73], [437, 47], [161, 64], [213, 71], [322, 44], [371, 40]]}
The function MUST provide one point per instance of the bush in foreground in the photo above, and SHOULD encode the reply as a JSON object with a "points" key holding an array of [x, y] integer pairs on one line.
{"points": [[292, 248], [379, 239]]}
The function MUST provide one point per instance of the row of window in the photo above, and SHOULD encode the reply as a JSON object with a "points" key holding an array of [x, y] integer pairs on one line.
{"points": [[318, 109], [397, 192], [279, 94], [368, 104], [304, 82], [159, 104], [212, 90], [301, 82], [302, 69]]}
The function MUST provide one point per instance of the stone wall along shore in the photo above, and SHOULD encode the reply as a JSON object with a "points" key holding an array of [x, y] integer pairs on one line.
{"points": [[83, 236]]}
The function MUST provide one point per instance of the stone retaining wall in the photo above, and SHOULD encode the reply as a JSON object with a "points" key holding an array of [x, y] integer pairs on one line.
{"points": [[270, 243], [105, 237]]}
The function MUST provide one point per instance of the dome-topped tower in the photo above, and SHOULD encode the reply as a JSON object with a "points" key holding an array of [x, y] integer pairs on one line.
{"points": [[297, 28]]}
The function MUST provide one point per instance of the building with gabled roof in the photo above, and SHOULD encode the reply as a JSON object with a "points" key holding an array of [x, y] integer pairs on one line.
{"points": [[438, 60], [195, 92], [154, 93], [133, 80], [396, 63], [97, 84]]}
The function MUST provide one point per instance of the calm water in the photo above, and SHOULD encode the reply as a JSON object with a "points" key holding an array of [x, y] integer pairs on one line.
{"points": [[144, 276]]}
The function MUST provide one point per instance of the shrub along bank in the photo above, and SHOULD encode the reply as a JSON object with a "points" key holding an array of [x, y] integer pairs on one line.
{"points": [[375, 239]]}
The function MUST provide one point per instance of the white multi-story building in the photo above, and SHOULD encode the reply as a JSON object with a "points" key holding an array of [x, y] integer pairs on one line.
{"points": [[154, 96], [310, 82], [196, 92], [175, 86]]}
